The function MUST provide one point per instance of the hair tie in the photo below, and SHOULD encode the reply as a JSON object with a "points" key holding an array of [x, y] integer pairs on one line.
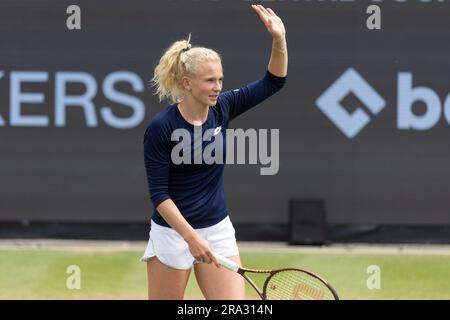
{"points": [[187, 47]]}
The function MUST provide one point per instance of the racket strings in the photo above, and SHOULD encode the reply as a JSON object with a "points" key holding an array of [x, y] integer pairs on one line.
{"points": [[296, 285]]}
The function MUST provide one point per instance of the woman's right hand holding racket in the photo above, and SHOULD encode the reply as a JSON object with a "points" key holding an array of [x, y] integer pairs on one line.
{"points": [[201, 250]]}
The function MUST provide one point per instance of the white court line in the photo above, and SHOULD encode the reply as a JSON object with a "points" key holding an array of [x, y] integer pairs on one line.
{"points": [[354, 248], [244, 246]]}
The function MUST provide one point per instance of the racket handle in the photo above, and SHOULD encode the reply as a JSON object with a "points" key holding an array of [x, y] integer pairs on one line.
{"points": [[227, 263]]}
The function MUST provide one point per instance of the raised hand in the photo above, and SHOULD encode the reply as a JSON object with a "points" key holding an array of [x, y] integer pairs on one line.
{"points": [[272, 22]]}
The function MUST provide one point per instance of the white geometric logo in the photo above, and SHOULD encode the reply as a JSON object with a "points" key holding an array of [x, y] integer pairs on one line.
{"points": [[330, 102]]}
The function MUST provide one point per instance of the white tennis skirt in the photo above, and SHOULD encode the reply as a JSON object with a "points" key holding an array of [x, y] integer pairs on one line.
{"points": [[173, 251]]}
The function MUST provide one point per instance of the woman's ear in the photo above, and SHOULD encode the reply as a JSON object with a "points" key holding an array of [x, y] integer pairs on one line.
{"points": [[186, 83]]}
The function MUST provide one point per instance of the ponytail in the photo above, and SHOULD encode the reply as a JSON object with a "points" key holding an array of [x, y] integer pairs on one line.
{"points": [[180, 59]]}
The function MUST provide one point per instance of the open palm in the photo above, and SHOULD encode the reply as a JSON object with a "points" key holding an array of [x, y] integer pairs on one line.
{"points": [[272, 22]]}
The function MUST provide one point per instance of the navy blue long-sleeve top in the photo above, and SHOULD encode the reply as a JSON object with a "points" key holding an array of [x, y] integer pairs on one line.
{"points": [[197, 189]]}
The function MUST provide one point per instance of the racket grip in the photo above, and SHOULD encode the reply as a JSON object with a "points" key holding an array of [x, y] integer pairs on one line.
{"points": [[227, 263]]}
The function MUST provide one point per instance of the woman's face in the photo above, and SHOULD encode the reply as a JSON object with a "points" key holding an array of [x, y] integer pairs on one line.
{"points": [[206, 84]]}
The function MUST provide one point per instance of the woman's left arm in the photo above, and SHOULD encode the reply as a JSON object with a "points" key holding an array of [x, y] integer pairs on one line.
{"points": [[279, 56]]}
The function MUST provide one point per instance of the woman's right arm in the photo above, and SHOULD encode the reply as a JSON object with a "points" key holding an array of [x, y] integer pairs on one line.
{"points": [[157, 163]]}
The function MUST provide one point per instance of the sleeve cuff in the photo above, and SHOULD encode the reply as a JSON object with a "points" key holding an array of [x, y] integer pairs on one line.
{"points": [[271, 75], [159, 199]]}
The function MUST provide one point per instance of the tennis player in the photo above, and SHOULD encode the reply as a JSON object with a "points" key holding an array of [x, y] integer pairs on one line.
{"points": [[191, 218]]}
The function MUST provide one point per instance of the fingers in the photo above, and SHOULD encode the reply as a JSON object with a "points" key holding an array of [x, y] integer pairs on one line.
{"points": [[266, 15], [264, 10], [203, 257], [214, 260], [211, 259], [199, 259], [260, 9], [202, 252], [208, 257], [271, 12], [260, 13]]}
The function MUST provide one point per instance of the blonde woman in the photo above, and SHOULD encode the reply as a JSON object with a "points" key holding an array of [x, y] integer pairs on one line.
{"points": [[191, 217]]}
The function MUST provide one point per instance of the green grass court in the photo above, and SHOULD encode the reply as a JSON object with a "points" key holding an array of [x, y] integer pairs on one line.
{"points": [[41, 273]]}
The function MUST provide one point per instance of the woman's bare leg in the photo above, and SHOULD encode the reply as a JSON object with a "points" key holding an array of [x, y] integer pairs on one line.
{"points": [[165, 283]]}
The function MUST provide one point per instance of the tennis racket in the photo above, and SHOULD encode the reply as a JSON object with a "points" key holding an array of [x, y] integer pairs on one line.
{"points": [[285, 284]]}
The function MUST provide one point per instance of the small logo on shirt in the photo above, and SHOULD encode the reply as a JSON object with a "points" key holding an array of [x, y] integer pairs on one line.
{"points": [[217, 130]]}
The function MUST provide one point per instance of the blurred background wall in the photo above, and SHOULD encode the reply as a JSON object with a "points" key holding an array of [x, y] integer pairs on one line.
{"points": [[364, 118]]}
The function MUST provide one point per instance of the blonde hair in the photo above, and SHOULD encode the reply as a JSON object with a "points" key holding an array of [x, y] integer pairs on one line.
{"points": [[180, 59]]}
